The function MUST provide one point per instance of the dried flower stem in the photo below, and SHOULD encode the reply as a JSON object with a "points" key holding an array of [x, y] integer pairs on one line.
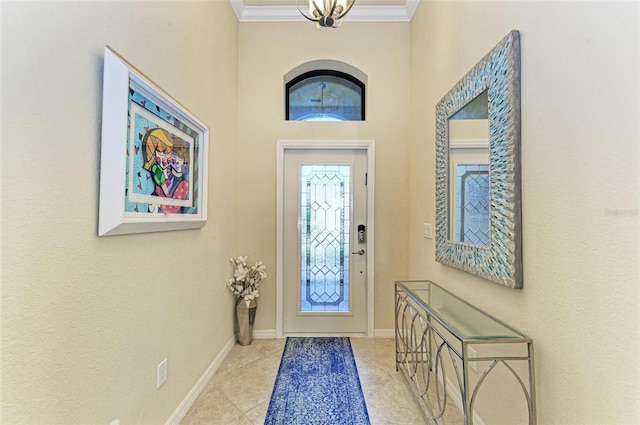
{"points": [[245, 280]]}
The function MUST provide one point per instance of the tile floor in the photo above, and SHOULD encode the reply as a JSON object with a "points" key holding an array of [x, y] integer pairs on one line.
{"points": [[239, 392]]}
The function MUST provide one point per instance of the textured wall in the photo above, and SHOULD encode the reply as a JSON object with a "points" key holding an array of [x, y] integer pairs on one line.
{"points": [[381, 51], [84, 325], [86, 320], [580, 155]]}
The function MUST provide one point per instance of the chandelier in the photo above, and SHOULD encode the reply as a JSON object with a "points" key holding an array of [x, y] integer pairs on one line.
{"points": [[327, 13]]}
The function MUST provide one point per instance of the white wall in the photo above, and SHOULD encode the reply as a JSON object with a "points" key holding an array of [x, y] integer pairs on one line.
{"points": [[580, 157], [86, 320], [267, 53]]}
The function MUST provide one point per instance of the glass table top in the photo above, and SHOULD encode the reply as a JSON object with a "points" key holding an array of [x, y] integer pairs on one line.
{"points": [[461, 318]]}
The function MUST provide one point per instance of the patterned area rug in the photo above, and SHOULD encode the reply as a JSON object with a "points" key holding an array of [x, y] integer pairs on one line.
{"points": [[317, 384]]}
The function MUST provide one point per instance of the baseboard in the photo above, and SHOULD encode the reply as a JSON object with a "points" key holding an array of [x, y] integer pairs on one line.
{"points": [[197, 389], [384, 333], [264, 334], [271, 333], [457, 399], [192, 396]]}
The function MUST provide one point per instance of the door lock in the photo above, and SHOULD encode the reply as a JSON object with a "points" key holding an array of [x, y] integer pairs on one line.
{"points": [[361, 233], [360, 252]]}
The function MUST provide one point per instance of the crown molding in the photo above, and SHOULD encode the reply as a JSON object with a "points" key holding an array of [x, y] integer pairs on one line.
{"points": [[292, 14]]}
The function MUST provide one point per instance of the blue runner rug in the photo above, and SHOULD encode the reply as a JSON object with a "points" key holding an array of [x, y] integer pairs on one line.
{"points": [[317, 384]]}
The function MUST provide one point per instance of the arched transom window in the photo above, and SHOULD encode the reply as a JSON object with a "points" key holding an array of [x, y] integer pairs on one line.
{"points": [[325, 95]]}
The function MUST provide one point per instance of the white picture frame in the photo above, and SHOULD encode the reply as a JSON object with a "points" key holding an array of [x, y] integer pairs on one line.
{"points": [[154, 156]]}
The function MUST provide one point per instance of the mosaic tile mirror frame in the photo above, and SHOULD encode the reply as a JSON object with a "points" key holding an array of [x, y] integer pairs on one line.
{"points": [[497, 254]]}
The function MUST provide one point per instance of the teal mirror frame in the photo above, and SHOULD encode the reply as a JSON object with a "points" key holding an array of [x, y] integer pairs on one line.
{"points": [[500, 261]]}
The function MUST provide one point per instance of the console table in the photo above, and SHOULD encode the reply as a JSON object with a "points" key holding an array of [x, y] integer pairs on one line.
{"points": [[442, 342]]}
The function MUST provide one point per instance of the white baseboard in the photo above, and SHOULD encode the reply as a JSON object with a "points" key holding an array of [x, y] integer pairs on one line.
{"points": [[384, 333], [271, 333], [264, 334], [457, 400], [192, 396]]}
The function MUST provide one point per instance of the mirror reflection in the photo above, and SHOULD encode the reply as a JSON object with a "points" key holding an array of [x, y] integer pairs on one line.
{"points": [[469, 209]]}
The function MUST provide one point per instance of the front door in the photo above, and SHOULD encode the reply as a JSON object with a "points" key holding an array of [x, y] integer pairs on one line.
{"points": [[324, 254]]}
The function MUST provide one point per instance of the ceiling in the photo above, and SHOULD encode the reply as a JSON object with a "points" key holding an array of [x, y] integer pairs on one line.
{"points": [[287, 10]]}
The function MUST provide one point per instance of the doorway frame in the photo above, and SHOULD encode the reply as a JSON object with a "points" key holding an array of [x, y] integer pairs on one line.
{"points": [[369, 147]]}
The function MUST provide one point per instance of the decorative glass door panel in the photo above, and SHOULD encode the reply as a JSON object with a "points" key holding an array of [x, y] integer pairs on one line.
{"points": [[325, 211], [470, 209], [324, 289], [472, 215]]}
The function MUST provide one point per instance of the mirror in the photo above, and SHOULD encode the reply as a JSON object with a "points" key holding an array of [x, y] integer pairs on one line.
{"points": [[469, 206], [478, 204]]}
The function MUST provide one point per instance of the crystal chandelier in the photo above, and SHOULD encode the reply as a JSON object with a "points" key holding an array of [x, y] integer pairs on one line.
{"points": [[327, 13]]}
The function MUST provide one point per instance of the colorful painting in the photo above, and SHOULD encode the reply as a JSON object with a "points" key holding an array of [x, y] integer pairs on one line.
{"points": [[161, 153]]}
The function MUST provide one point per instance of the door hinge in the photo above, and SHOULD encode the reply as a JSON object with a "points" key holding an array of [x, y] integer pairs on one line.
{"points": [[366, 178]]}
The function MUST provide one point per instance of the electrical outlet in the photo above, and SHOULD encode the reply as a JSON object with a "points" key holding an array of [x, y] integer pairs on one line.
{"points": [[162, 373], [472, 355]]}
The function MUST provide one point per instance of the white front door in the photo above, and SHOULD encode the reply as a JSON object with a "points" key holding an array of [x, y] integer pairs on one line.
{"points": [[324, 285]]}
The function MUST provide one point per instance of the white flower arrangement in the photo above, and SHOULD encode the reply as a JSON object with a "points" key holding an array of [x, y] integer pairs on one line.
{"points": [[245, 280]]}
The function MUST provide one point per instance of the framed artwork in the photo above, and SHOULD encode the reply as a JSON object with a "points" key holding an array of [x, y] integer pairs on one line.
{"points": [[153, 170]]}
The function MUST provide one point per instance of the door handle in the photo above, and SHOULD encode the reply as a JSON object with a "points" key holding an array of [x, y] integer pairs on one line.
{"points": [[360, 252]]}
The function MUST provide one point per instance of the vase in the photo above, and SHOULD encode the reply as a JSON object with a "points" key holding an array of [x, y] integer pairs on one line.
{"points": [[246, 315]]}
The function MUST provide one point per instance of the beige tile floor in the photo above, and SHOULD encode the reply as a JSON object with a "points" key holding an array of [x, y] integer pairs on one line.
{"points": [[239, 392]]}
